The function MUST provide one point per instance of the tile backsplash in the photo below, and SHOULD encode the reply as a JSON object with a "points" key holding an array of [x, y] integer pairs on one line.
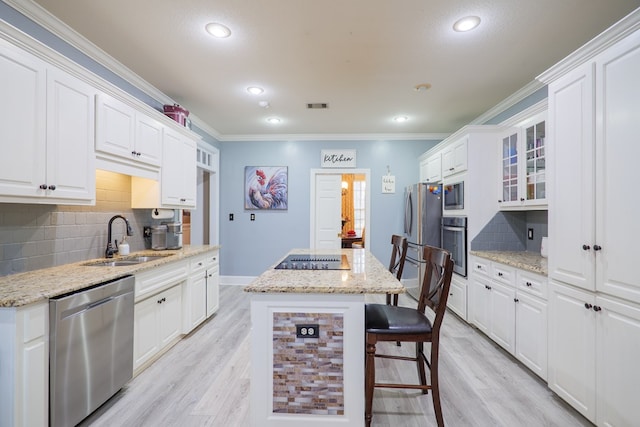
{"points": [[34, 236], [507, 231]]}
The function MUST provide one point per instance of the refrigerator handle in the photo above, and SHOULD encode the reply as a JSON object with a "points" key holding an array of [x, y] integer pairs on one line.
{"points": [[408, 214]]}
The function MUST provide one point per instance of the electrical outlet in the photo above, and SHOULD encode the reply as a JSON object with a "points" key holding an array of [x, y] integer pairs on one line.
{"points": [[253, 217], [530, 233], [230, 217], [308, 331]]}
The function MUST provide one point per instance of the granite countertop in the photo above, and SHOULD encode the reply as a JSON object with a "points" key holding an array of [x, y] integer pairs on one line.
{"points": [[366, 276], [25, 288], [528, 261]]}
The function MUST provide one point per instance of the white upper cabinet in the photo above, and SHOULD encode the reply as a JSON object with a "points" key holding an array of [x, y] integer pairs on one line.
{"points": [[70, 137], [179, 173], [48, 129], [22, 122], [454, 158], [593, 213], [523, 165], [126, 133]]}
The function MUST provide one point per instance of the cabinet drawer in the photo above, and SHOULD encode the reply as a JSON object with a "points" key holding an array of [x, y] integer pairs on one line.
{"points": [[482, 267], [531, 283], [198, 263], [211, 259], [157, 279], [503, 274]]}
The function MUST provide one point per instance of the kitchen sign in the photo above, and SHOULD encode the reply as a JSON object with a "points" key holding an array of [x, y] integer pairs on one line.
{"points": [[338, 158], [388, 184]]}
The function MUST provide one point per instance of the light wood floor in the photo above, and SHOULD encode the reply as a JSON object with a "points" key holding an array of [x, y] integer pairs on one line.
{"points": [[204, 381]]}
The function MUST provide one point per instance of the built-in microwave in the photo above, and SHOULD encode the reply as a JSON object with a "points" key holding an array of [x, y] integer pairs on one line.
{"points": [[453, 195]]}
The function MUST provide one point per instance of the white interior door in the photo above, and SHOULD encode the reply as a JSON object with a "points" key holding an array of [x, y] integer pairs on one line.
{"points": [[328, 202]]}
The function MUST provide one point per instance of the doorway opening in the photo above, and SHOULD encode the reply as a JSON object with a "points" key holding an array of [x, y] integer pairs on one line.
{"points": [[354, 191], [328, 219]]}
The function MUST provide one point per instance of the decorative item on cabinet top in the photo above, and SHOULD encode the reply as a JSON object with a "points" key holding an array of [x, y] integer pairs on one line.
{"points": [[178, 113]]}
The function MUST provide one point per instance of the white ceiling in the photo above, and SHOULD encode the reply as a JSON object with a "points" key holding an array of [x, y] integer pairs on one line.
{"points": [[362, 57]]}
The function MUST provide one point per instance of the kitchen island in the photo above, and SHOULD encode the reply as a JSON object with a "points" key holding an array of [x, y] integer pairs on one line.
{"points": [[307, 340]]}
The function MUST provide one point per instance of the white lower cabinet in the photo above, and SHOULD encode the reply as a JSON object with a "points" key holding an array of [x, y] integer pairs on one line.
{"points": [[511, 314], [24, 365], [158, 322], [457, 301], [213, 283], [594, 346], [195, 294]]}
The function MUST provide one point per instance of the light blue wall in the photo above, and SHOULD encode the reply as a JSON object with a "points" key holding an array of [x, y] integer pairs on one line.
{"points": [[249, 247]]}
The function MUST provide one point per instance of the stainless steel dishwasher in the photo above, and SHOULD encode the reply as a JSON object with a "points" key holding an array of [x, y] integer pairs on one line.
{"points": [[91, 349]]}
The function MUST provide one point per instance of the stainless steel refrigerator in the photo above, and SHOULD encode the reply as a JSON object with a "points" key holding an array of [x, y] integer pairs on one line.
{"points": [[422, 222]]}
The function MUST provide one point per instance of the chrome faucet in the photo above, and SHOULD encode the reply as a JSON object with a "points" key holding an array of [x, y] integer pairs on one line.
{"points": [[110, 251]]}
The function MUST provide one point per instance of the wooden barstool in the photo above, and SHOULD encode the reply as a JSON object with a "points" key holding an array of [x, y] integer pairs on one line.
{"points": [[396, 265], [385, 322]]}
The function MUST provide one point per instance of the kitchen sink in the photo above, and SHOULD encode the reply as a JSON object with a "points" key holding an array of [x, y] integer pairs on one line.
{"points": [[121, 262]]}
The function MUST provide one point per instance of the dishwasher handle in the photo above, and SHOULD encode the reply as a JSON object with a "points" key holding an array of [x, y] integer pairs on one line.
{"points": [[97, 303]]}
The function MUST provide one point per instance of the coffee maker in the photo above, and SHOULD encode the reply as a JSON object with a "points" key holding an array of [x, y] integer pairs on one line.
{"points": [[174, 235]]}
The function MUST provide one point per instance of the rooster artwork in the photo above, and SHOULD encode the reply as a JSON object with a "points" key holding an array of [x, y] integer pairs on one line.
{"points": [[266, 187]]}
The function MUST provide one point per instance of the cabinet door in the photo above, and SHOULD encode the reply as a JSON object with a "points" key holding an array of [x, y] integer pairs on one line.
{"points": [[115, 127], [213, 290], [197, 301], [434, 168], [571, 340], [148, 144], [22, 122], [502, 313], [179, 175], [617, 206], [618, 354], [534, 159], [571, 179], [70, 137], [146, 342], [170, 322], [454, 158], [457, 300], [531, 333], [479, 303], [509, 185]]}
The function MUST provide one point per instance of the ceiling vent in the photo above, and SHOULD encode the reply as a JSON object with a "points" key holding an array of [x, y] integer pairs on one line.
{"points": [[317, 106]]}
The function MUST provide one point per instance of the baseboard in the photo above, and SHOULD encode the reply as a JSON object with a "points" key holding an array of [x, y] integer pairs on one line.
{"points": [[236, 280]]}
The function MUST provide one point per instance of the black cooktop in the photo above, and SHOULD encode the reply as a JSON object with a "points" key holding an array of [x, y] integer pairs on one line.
{"points": [[314, 262]]}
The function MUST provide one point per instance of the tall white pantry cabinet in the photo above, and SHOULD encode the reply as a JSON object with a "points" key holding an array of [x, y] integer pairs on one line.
{"points": [[594, 225]]}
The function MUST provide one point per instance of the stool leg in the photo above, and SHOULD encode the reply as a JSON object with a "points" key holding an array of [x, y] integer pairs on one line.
{"points": [[369, 379], [420, 361], [435, 389]]}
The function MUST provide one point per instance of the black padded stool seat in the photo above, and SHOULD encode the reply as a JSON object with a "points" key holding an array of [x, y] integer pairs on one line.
{"points": [[391, 319]]}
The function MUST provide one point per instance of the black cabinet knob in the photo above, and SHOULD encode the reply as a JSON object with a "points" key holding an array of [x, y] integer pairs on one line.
{"points": [[597, 308], [43, 186], [528, 284], [522, 199], [586, 247], [597, 247], [52, 187], [500, 274], [133, 153], [516, 300], [587, 305]]}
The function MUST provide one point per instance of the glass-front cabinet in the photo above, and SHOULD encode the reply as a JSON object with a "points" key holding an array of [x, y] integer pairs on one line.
{"points": [[522, 157], [535, 162]]}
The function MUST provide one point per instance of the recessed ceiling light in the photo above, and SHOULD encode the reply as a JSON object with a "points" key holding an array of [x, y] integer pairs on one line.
{"points": [[401, 119], [467, 23], [255, 90], [274, 120], [218, 30]]}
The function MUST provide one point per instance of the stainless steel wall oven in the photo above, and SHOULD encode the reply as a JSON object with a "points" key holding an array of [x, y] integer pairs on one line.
{"points": [[454, 239]]}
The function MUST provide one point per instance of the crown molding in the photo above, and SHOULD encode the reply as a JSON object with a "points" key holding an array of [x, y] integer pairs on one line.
{"points": [[601, 42], [337, 137], [508, 102]]}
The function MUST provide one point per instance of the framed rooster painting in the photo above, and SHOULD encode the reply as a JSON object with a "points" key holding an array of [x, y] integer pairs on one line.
{"points": [[266, 187]]}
